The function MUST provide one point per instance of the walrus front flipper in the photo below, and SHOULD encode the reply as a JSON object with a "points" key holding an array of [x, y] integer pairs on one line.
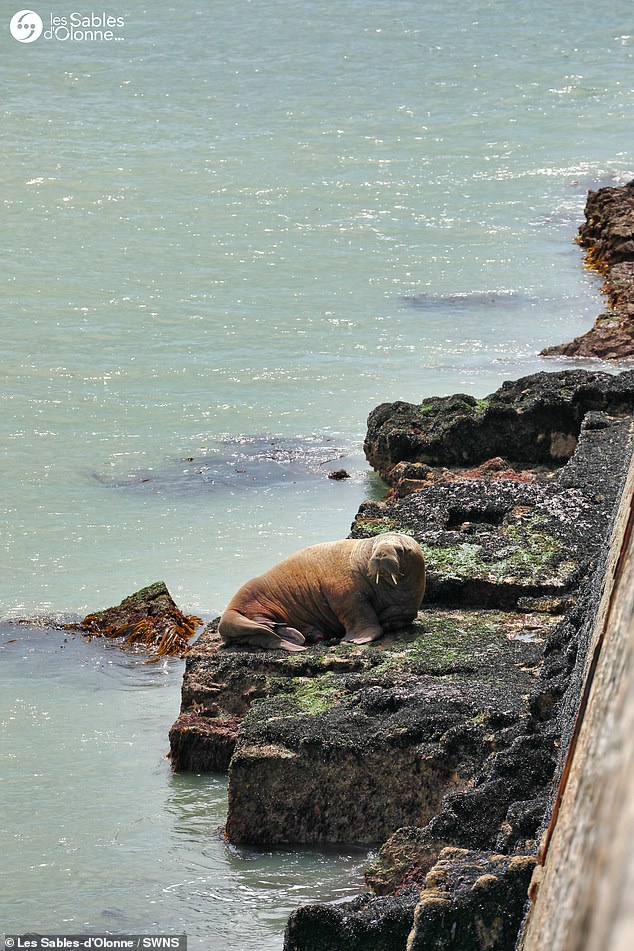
{"points": [[237, 628], [364, 637], [364, 627]]}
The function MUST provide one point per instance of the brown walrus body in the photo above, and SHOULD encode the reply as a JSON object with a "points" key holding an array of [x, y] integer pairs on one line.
{"points": [[357, 588]]}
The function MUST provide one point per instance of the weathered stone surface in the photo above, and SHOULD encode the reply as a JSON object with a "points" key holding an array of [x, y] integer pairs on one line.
{"points": [[149, 619], [203, 742], [608, 236], [408, 477], [505, 544], [364, 924], [610, 338], [472, 902], [583, 895], [386, 745], [533, 421], [346, 743], [609, 225], [403, 861]]}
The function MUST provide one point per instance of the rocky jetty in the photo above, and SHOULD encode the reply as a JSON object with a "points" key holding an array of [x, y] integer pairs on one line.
{"points": [[535, 546], [608, 237], [346, 744], [442, 742]]}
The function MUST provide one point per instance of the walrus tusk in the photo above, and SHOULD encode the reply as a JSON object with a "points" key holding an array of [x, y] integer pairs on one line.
{"points": [[394, 578], [377, 578]]}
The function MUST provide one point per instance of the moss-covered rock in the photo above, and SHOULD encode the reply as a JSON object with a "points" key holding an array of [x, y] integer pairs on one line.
{"points": [[536, 419], [345, 756]]}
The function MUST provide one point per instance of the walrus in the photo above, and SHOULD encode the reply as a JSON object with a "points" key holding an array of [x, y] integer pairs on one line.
{"points": [[355, 588]]}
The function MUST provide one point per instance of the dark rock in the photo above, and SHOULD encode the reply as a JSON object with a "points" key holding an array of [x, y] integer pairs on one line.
{"points": [[380, 924], [535, 420], [345, 743], [472, 902], [203, 742], [509, 544], [403, 861], [477, 817]]}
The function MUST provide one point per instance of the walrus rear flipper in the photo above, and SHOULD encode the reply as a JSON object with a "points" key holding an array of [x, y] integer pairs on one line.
{"points": [[236, 628], [289, 634]]}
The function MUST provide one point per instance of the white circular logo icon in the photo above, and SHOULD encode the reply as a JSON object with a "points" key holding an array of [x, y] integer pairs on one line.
{"points": [[26, 26]]}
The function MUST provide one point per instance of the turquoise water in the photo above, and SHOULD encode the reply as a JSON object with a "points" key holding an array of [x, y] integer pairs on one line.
{"points": [[99, 836], [227, 237]]}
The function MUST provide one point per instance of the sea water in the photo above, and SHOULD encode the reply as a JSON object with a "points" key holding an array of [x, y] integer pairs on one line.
{"points": [[229, 231]]}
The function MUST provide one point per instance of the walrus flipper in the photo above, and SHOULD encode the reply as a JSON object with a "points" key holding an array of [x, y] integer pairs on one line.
{"points": [[289, 634], [237, 628], [364, 637], [364, 627]]}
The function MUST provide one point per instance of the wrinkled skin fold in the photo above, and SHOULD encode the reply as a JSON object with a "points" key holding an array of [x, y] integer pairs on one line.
{"points": [[355, 588]]}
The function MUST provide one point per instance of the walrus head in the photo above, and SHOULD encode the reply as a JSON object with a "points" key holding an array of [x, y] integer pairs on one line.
{"points": [[385, 560]]}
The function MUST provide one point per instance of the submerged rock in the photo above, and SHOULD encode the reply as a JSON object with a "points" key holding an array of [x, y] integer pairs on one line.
{"points": [[239, 463]]}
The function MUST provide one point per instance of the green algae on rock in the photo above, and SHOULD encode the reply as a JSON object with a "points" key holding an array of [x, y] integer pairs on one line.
{"points": [[535, 420], [344, 743]]}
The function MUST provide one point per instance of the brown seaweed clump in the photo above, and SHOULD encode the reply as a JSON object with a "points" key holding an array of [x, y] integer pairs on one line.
{"points": [[149, 620]]}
